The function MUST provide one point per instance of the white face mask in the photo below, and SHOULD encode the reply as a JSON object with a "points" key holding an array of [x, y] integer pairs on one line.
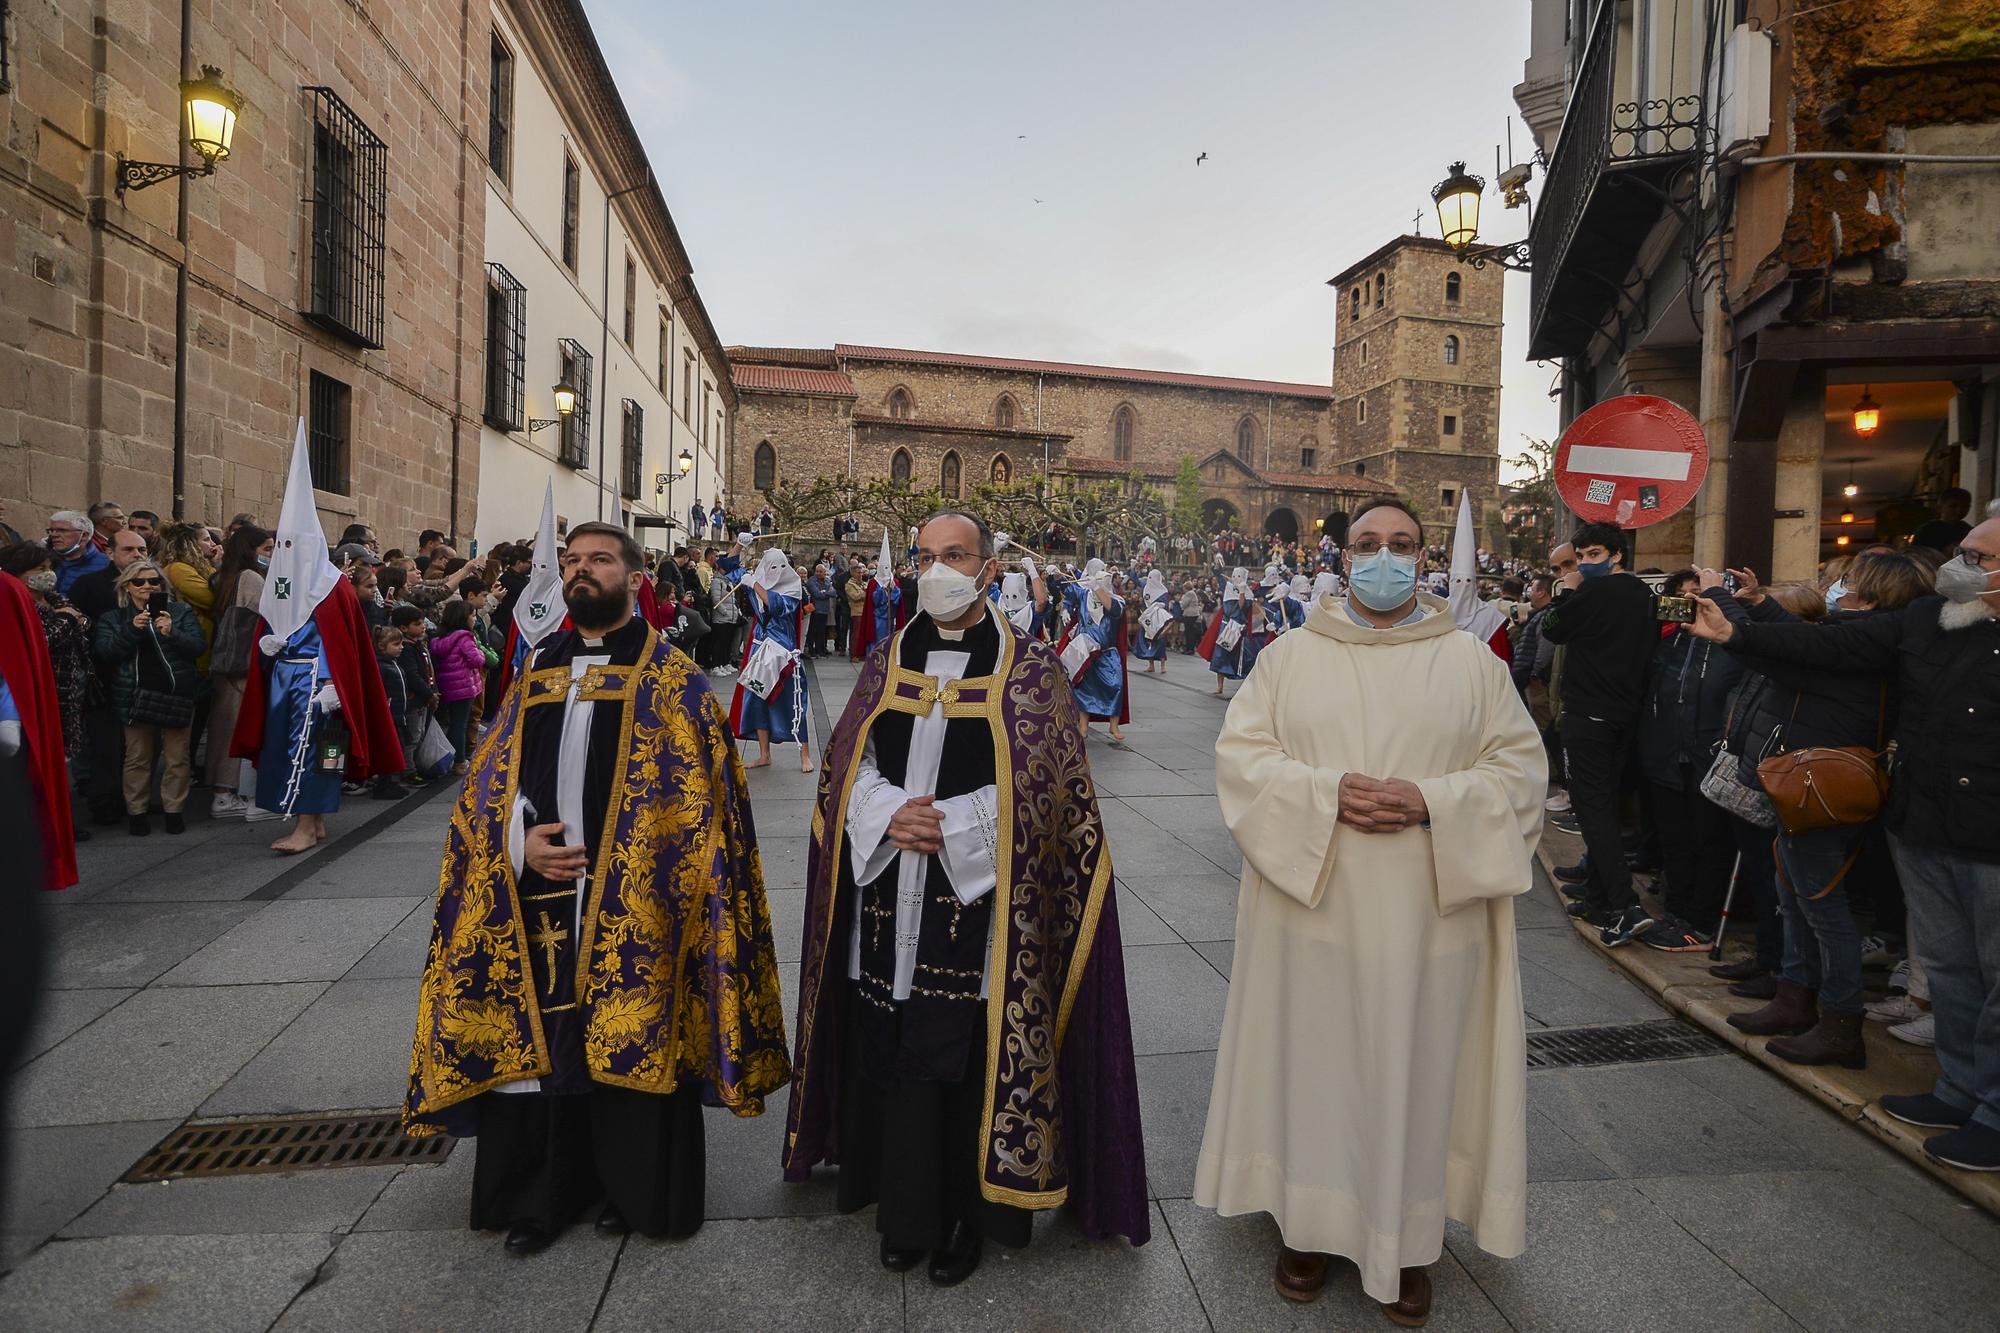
{"points": [[943, 593]]}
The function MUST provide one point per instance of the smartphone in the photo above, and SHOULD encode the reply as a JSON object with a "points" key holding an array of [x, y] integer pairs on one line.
{"points": [[1674, 610], [1729, 583]]}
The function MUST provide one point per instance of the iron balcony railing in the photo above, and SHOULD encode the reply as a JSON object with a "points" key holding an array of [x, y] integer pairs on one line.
{"points": [[1600, 137]]}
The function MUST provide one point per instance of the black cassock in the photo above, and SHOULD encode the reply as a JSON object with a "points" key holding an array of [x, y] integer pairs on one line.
{"points": [[913, 1088], [544, 1155]]}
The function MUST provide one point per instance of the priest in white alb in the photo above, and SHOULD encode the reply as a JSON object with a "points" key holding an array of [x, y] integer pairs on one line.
{"points": [[1371, 1080]]}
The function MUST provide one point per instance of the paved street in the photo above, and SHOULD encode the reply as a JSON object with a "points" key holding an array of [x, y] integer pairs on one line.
{"points": [[202, 976]]}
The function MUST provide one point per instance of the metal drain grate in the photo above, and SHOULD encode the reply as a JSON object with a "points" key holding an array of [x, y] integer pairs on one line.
{"points": [[284, 1143], [1624, 1044]]}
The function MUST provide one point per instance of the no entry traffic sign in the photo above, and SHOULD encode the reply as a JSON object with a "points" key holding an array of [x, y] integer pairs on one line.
{"points": [[1632, 460]]}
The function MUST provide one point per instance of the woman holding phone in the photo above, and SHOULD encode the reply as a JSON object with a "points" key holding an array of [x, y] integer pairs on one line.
{"points": [[153, 643]]}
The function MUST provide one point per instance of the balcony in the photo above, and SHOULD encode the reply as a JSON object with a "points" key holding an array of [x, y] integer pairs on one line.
{"points": [[1614, 169]]}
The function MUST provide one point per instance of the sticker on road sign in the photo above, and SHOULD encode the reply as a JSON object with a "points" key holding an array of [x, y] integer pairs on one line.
{"points": [[1632, 460]]}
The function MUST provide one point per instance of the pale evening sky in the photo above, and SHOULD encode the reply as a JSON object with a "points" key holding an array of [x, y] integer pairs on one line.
{"points": [[859, 172]]}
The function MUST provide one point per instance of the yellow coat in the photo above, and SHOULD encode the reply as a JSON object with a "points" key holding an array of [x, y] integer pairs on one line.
{"points": [[192, 587]]}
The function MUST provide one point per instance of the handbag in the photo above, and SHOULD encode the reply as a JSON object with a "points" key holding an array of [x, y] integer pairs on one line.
{"points": [[1827, 786], [152, 705], [1722, 786], [1154, 620], [1229, 635], [769, 665], [1078, 651], [235, 639]]}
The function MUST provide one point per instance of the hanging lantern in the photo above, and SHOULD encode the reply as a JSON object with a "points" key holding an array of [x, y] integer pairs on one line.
{"points": [[1867, 414], [1847, 516], [1841, 540]]}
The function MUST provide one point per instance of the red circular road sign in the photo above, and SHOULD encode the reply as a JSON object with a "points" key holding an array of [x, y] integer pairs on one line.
{"points": [[1632, 461]]}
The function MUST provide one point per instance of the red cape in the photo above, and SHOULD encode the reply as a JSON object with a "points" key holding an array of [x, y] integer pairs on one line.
{"points": [[1207, 649], [374, 748], [861, 633], [1502, 646], [24, 665]]}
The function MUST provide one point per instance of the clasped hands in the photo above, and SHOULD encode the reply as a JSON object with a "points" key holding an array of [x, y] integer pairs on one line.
{"points": [[918, 826], [1381, 805]]}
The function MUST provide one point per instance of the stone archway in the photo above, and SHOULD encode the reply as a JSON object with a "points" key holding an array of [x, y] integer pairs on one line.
{"points": [[1336, 527], [1219, 516], [1282, 523]]}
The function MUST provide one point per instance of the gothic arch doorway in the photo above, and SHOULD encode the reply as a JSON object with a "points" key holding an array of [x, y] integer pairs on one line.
{"points": [[1219, 516], [1283, 524]]}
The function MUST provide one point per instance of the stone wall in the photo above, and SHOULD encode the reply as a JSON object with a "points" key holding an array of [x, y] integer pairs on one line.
{"points": [[87, 295]]}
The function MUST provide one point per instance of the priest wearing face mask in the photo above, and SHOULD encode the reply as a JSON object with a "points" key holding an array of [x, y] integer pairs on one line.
{"points": [[1370, 1082], [964, 1050]]}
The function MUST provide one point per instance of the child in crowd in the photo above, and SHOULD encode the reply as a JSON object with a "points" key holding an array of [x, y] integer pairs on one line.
{"points": [[460, 661], [419, 678], [388, 648]]}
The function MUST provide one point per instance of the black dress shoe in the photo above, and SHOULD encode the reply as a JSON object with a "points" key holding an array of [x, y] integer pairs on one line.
{"points": [[611, 1222], [139, 825], [899, 1261], [173, 823], [956, 1259], [525, 1238]]}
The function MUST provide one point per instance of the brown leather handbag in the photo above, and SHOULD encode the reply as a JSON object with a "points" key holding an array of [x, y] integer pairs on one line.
{"points": [[1826, 786]]}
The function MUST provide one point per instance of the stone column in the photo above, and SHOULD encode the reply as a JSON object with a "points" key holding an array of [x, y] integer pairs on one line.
{"points": [[1717, 400], [1800, 453]]}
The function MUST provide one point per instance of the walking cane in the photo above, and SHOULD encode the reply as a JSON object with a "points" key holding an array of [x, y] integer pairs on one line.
{"points": [[1735, 874]]}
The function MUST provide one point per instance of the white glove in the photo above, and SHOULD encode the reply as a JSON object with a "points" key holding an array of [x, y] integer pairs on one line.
{"points": [[270, 645], [327, 699], [1028, 568], [10, 736]]}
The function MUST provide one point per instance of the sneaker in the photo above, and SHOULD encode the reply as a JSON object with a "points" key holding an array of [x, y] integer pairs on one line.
{"points": [[1918, 1031], [1575, 874], [1628, 925], [1895, 1009], [353, 788], [1577, 908], [1670, 934], [257, 814], [1971, 1147], [388, 789], [226, 806], [1876, 951], [1899, 978], [1567, 823], [1557, 804], [1925, 1111]]}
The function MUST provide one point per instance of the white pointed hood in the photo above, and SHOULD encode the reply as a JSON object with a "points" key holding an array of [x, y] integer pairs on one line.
{"points": [[1477, 618], [540, 609], [300, 575], [885, 572]]}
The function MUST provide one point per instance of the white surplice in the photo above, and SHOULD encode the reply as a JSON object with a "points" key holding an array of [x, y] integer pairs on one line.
{"points": [[1371, 1080], [971, 831], [572, 762]]}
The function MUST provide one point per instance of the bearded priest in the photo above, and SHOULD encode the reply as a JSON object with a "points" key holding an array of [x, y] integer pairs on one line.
{"points": [[1371, 1080], [964, 1049], [601, 966]]}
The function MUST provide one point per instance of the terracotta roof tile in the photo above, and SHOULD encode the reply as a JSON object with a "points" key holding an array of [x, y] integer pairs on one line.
{"points": [[812, 358], [1170, 377], [788, 379], [1334, 481]]}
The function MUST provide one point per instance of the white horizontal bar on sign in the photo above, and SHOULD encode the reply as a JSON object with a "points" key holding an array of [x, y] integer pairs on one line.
{"points": [[1652, 464]]}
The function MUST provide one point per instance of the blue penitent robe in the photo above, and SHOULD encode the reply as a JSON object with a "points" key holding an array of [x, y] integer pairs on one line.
{"points": [[784, 713], [1234, 663], [1146, 647], [289, 779], [885, 601], [1100, 693]]}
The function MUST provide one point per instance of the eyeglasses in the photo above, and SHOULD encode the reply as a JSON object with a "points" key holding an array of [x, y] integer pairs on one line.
{"points": [[1975, 559], [143, 583], [1397, 546], [951, 556]]}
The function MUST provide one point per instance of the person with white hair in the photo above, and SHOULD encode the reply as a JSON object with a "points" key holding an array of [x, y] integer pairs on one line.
{"points": [[70, 543], [771, 701], [1155, 617]]}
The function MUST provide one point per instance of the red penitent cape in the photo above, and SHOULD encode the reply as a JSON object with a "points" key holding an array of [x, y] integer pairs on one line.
{"points": [[24, 665], [861, 632], [373, 747], [1502, 646]]}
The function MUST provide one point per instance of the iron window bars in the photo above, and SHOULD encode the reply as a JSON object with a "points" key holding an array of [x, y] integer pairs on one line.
{"points": [[576, 368], [329, 417], [632, 452], [506, 348], [350, 204]]}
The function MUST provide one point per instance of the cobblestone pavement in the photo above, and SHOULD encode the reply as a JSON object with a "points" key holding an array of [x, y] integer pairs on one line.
{"points": [[201, 976]]}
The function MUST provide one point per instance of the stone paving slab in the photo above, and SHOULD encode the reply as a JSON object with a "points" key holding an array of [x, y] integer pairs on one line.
{"points": [[1176, 999], [426, 1196], [57, 1171], [784, 1273], [1199, 907], [401, 953], [98, 945], [444, 1281], [309, 940], [301, 1201], [1173, 1109], [1651, 1120], [61, 1013], [160, 1054], [349, 1050], [160, 1284]]}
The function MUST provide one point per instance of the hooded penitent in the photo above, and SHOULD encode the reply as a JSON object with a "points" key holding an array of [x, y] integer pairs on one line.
{"points": [[1481, 620]]}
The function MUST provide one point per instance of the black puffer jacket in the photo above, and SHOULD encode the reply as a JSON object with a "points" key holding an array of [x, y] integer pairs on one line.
{"points": [[1801, 706], [1945, 785], [1687, 704]]}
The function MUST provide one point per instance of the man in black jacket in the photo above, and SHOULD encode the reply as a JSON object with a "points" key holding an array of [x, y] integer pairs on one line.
{"points": [[1606, 620], [1943, 797]]}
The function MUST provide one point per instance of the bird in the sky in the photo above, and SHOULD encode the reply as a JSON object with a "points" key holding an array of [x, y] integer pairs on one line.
{"points": [[1020, 136], [1203, 158], [1036, 200]]}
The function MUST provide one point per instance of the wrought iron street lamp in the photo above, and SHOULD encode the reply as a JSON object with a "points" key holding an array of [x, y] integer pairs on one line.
{"points": [[1457, 198], [209, 109], [664, 481], [565, 396]]}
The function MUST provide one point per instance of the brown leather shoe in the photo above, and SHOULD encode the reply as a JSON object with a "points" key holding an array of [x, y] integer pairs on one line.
{"points": [[1301, 1275], [1793, 1010], [1412, 1307], [1835, 1040]]}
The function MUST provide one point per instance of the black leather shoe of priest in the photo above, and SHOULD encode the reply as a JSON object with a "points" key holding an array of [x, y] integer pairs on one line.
{"points": [[611, 1222], [525, 1238], [956, 1259], [899, 1261]]}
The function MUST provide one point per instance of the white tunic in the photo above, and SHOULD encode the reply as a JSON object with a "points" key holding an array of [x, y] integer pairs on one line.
{"points": [[1371, 1080], [971, 849]]}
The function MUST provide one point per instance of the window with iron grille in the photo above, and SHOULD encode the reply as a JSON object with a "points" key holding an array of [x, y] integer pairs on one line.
{"points": [[350, 204], [329, 419], [575, 364], [572, 200], [665, 367], [506, 348], [500, 112], [632, 454], [631, 298], [687, 387]]}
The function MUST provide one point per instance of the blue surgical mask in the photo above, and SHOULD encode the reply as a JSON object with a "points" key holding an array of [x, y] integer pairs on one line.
{"points": [[1593, 569], [1835, 593], [1383, 581], [263, 562]]}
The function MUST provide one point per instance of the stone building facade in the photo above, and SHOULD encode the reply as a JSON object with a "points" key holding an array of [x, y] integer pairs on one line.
{"points": [[1277, 458], [1416, 375], [331, 259]]}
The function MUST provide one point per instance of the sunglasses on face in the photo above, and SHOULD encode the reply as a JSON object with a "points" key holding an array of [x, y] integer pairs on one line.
{"points": [[143, 583]]}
